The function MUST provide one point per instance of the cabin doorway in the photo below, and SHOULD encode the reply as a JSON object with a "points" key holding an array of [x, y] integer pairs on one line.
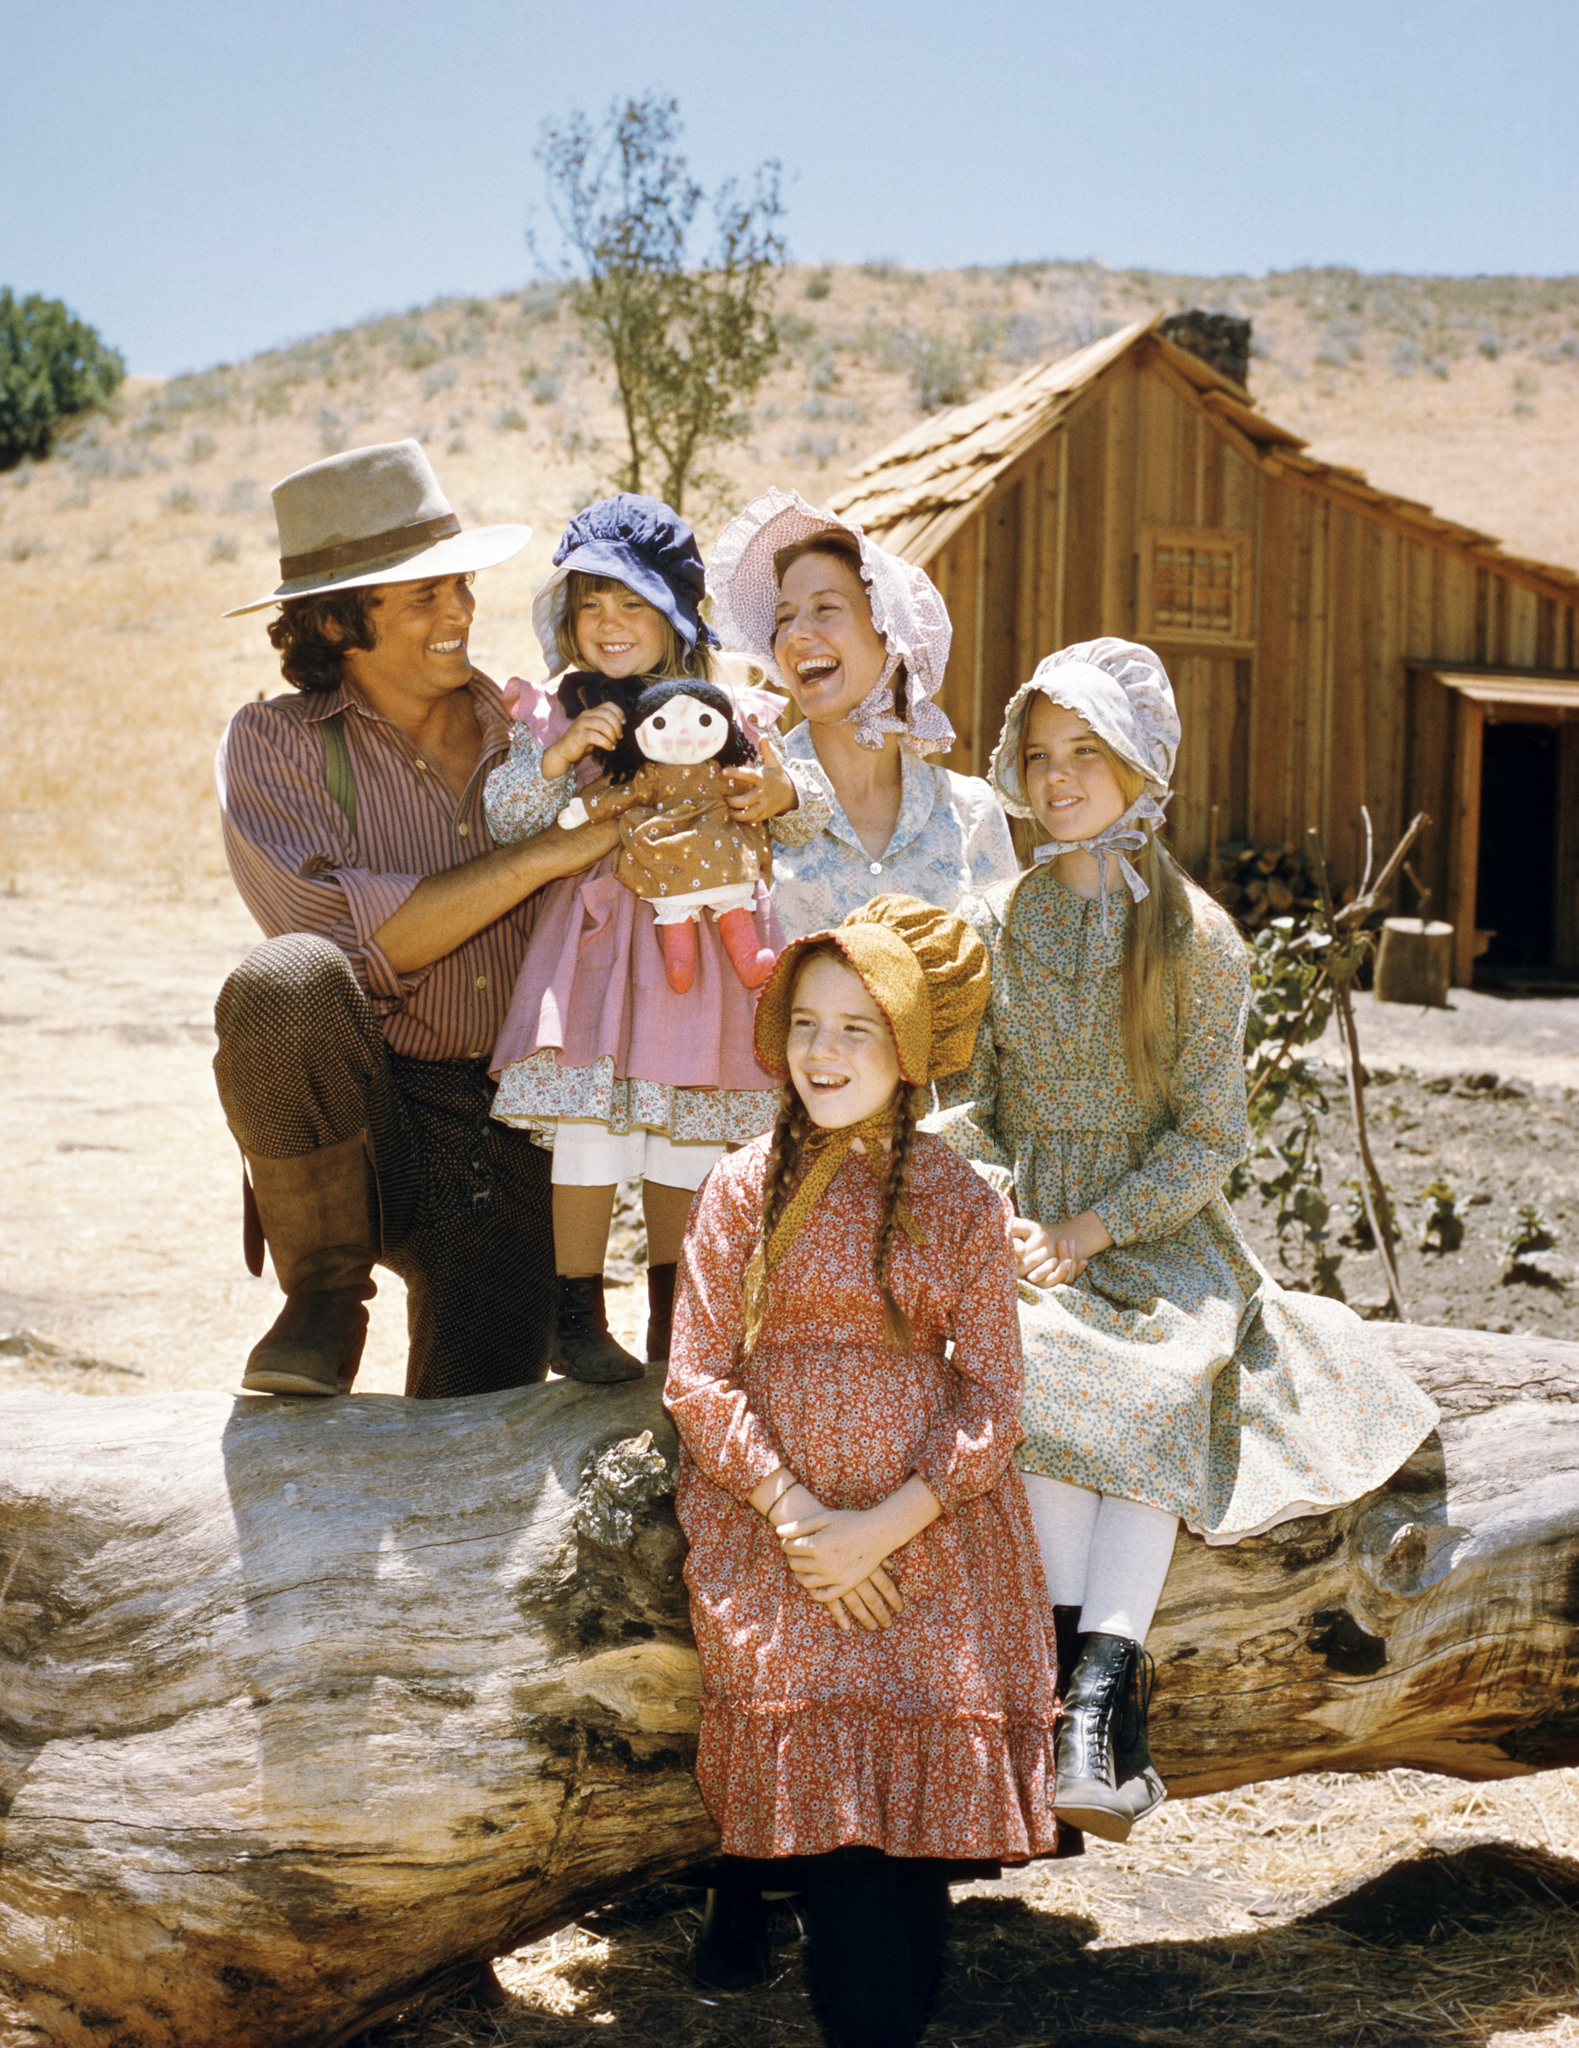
{"points": [[1516, 883]]}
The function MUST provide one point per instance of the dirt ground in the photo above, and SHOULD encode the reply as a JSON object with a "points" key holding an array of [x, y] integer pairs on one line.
{"points": [[1392, 1911], [1483, 1099]]}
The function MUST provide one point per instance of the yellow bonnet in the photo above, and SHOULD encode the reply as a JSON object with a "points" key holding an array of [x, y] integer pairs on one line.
{"points": [[925, 969]]}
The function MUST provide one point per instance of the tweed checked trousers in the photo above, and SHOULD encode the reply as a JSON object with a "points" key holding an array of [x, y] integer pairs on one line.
{"points": [[465, 1209]]}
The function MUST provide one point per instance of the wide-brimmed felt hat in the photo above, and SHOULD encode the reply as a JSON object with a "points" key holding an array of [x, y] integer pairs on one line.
{"points": [[925, 969], [639, 542], [374, 515]]}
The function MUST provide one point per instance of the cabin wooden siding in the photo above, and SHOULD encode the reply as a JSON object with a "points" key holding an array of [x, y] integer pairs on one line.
{"points": [[1329, 702]]}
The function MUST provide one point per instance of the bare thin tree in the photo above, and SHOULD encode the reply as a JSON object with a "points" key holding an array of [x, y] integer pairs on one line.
{"points": [[690, 332]]}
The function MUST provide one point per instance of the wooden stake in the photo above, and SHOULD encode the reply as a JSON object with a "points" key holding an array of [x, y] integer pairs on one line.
{"points": [[1373, 1190]]}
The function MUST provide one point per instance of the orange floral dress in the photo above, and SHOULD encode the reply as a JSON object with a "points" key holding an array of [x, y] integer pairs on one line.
{"points": [[933, 1737]]}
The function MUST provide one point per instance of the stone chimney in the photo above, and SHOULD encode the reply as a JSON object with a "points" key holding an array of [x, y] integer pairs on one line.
{"points": [[1217, 338]]}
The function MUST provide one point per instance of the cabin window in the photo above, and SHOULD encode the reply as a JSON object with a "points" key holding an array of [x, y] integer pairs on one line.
{"points": [[1195, 584]]}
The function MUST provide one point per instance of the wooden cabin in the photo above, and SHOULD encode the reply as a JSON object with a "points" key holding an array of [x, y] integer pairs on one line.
{"points": [[1332, 645]]}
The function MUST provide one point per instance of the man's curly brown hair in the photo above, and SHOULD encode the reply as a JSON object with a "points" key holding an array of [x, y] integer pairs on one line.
{"points": [[309, 657]]}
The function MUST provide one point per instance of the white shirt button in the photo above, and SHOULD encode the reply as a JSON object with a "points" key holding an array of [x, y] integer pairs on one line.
{"points": [[877, 867], [461, 829], [422, 767], [482, 981]]}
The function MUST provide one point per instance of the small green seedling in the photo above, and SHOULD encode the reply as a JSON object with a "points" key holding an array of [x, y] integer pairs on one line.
{"points": [[1443, 1229], [1527, 1232]]}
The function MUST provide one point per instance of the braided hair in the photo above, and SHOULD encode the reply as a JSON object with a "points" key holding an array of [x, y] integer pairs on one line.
{"points": [[897, 1332], [790, 1129]]}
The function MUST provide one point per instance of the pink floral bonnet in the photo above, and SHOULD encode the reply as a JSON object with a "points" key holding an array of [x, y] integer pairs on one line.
{"points": [[907, 611]]}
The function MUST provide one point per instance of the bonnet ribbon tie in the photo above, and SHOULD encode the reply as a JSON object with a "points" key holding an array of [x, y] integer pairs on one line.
{"points": [[875, 714], [1123, 837], [828, 1151]]}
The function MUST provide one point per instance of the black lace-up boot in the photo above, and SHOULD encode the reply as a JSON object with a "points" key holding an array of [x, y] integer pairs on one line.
{"points": [[660, 1312], [582, 1348], [1108, 1697], [1066, 1622]]}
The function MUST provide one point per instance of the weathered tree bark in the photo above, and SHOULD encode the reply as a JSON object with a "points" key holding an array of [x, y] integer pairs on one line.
{"points": [[304, 1705]]}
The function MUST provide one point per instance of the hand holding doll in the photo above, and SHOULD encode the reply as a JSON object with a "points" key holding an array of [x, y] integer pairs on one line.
{"points": [[681, 848]]}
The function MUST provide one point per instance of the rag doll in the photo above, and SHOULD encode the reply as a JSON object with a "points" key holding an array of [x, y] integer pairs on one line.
{"points": [[681, 849]]}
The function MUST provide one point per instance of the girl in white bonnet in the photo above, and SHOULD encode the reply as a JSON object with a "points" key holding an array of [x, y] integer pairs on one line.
{"points": [[1167, 1377]]}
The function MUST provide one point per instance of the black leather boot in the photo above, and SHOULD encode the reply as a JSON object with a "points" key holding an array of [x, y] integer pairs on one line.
{"points": [[1109, 1691], [731, 1952], [1066, 1623], [1138, 1779], [582, 1348], [660, 1311]]}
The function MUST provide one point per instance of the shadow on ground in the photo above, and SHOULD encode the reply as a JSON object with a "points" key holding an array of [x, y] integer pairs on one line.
{"points": [[1443, 1946]]}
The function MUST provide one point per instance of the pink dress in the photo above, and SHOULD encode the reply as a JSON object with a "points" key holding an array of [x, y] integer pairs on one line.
{"points": [[933, 1737], [594, 1029]]}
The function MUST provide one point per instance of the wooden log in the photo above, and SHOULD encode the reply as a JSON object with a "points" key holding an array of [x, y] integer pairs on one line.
{"points": [[1414, 963], [305, 1705]]}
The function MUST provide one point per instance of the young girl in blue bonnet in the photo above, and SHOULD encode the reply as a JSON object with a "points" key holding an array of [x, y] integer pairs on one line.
{"points": [[1168, 1378], [860, 639], [633, 1077]]}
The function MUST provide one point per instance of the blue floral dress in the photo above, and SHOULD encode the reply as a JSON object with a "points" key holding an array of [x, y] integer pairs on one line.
{"points": [[1175, 1371], [950, 840]]}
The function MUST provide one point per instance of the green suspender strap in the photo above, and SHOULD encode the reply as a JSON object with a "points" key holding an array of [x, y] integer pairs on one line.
{"points": [[338, 779]]}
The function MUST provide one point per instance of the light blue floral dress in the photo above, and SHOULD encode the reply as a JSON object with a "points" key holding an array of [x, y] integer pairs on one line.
{"points": [[1175, 1371], [951, 840]]}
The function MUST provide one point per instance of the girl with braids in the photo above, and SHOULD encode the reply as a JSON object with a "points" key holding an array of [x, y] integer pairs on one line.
{"points": [[1167, 1376], [878, 1700]]}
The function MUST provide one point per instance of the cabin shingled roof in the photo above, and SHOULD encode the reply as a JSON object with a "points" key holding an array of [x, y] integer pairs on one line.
{"points": [[915, 493]]}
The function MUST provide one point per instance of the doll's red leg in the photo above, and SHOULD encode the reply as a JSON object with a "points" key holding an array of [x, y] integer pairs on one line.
{"points": [[753, 963], [679, 954]]}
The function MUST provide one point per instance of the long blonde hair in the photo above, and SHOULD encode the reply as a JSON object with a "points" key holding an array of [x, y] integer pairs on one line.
{"points": [[1159, 926]]}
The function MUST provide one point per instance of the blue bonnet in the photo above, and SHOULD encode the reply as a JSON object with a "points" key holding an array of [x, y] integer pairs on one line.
{"points": [[641, 543]]}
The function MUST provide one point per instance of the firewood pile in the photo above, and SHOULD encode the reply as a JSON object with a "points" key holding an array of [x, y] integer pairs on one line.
{"points": [[1258, 883]]}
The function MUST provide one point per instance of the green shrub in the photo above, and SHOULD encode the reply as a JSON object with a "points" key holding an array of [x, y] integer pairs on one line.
{"points": [[52, 367]]}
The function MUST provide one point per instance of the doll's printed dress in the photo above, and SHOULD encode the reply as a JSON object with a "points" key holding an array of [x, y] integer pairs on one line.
{"points": [[677, 834], [1175, 1371], [933, 1737], [594, 1030]]}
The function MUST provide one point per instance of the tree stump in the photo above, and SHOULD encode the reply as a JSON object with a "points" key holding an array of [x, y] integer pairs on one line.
{"points": [[1414, 963], [306, 1705]]}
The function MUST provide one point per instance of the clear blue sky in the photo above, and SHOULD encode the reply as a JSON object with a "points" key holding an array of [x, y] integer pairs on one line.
{"points": [[202, 179]]}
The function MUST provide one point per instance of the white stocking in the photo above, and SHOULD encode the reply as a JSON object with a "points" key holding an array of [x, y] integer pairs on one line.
{"points": [[1131, 1550], [1106, 1556], [1065, 1518]]}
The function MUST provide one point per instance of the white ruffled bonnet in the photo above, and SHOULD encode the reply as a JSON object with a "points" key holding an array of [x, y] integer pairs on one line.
{"points": [[907, 611], [1121, 690]]}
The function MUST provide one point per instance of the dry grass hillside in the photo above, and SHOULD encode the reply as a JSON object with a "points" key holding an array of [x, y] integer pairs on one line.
{"points": [[118, 555]]}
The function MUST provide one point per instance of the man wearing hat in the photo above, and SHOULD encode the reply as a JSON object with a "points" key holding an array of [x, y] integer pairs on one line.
{"points": [[354, 1043]]}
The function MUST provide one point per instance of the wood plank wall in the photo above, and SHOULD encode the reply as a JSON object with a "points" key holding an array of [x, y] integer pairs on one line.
{"points": [[1329, 707]]}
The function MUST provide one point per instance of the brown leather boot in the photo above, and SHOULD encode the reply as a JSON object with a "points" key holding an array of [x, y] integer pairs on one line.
{"points": [[316, 1212]]}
